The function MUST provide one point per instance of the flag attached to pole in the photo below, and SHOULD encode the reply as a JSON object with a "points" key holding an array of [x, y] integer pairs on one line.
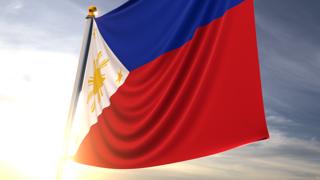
{"points": [[168, 81]]}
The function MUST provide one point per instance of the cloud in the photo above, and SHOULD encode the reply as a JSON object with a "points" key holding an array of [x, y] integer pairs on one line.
{"points": [[279, 120], [46, 25], [13, 7], [289, 60], [41, 25]]}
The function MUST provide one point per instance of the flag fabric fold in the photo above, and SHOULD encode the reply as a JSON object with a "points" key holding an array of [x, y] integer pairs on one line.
{"points": [[168, 81]]}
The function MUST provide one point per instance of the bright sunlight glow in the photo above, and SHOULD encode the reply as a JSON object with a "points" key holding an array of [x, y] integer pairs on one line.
{"points": [[35, 93], [34, 100]]}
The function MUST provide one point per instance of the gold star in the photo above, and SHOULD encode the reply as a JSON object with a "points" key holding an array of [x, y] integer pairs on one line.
{"points": [[95, 33], [119, 77]]}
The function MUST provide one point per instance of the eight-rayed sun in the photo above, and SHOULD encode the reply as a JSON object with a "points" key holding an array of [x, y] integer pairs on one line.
{"points": [[97, 80]]}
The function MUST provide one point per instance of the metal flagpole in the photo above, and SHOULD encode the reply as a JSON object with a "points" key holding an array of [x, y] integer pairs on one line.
{"points": [[76, 89]]}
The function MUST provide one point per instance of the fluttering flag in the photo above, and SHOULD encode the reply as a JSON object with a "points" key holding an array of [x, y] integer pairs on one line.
{"points": [[168, 81]]}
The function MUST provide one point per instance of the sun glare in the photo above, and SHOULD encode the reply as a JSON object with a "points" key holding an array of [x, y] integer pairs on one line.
{"points": [[33, 109]]}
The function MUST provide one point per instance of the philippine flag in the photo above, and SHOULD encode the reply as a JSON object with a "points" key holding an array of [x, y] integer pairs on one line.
{"points": [[168, 81]]}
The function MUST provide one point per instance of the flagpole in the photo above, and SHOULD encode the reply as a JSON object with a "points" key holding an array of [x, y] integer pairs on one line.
{"points": [[76, 89]]}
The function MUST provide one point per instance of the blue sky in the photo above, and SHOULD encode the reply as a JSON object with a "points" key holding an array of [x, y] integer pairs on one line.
{"points": [[39, 47]]}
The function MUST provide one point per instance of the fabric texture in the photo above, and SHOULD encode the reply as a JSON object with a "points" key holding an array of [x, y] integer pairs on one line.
{"points": [[197, 97]]}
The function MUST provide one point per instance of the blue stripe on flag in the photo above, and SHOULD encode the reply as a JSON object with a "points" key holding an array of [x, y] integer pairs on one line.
{"points": [[141, 30]]}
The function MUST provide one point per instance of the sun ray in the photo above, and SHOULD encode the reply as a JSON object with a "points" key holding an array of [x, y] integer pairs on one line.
{"points": [[90, 95], [103, 63], [93, 107], [90, 81], [99, 55]]}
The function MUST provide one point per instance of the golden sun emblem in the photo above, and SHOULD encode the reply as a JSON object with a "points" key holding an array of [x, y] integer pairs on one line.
{"points": [[97, 80]]}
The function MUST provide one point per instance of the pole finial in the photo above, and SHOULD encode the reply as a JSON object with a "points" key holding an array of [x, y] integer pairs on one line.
{"points": [[92, 10]]}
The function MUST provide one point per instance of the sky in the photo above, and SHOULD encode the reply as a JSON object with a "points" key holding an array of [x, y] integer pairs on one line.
{"points": [[39, 47]]}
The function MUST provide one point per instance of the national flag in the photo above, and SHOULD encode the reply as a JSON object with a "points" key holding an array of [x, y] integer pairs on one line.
{"points": [[168, 81]]}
